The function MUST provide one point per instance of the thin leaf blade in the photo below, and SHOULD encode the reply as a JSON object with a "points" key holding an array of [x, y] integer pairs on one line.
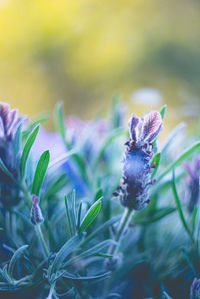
{"points": [[90, 215], [27, 148], [40, 172]]}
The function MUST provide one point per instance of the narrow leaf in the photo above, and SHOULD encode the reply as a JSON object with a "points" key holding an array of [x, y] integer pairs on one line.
{"points": [[40, 172], [27, 148], [90, 215], [179, 207], [163, 111]]}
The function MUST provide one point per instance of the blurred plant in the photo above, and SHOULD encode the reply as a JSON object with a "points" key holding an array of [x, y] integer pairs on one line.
{"points": [[193, 183], [195, 289], [9, 155]]}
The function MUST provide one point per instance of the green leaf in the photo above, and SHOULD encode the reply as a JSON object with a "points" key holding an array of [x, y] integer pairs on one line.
{"points": [[40, 172], [26, 150], [163, 111], [90, 215], [14, 259], [179, 207], [181, 158], [98, 194], [155, 162], [63, 253]]}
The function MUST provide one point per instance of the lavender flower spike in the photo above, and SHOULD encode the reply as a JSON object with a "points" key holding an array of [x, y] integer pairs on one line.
{"points": [[195, 289], [134, 189], [36, 213]]}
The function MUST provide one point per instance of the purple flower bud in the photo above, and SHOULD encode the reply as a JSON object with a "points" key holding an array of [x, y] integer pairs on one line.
{"points": [[193, 183], [195, 289], [36, 213], [136, 179]]}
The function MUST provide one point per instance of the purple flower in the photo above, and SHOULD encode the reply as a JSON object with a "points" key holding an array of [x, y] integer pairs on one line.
{"points": [[36, 214], [195, 289], [193, 182], [9, 122], [134, 189]]}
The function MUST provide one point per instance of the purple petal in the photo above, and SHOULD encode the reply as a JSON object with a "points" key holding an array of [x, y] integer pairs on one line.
{"points": [[152, 125], [133, 122]]}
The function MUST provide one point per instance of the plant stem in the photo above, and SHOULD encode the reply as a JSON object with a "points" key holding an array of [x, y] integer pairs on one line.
{"points": [[122, 227], [42, 240], [50, 296]]}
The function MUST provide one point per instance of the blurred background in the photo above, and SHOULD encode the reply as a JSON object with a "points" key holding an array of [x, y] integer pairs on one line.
{"points": [[86, 51]]}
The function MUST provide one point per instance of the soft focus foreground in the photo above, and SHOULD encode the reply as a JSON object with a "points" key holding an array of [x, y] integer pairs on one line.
{"points": [[84, 52], [99, 209]]}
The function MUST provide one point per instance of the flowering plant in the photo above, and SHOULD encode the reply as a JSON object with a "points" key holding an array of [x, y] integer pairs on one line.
{"points": [[83, 216]]}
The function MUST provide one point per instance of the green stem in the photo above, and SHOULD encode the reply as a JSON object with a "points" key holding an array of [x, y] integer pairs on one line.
{"points": [[125, 220], [42, 240]]}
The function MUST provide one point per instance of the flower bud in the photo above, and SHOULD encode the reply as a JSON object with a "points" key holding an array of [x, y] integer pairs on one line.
{"points": [[134, 189], [36, 213]]}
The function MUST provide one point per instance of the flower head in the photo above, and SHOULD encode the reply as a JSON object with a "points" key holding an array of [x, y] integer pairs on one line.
{"points": [[134, 189], [195, 289]]}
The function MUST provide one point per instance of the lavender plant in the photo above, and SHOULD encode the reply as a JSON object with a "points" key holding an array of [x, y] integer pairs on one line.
{"points": [[64, 235]]}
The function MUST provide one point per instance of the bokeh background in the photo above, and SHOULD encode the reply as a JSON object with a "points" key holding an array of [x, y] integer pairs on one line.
{"points": [[86, 51]]}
